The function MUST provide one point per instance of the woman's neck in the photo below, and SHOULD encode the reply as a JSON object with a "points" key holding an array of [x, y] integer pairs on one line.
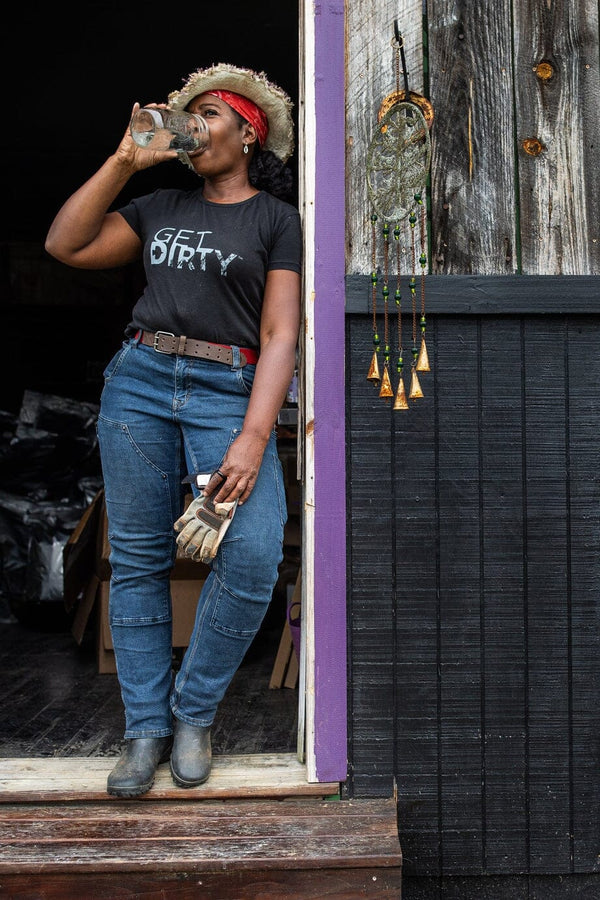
{"points": [[229, 189]]}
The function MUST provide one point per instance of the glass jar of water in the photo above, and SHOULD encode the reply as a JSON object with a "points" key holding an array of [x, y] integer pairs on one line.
{"points": [[169, 129]]}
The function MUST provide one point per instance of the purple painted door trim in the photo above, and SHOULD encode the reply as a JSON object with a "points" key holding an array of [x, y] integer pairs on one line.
{"points": [[329, 397]]}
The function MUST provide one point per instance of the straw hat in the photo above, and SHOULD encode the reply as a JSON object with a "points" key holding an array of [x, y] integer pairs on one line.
{"points": [[274, 102]]}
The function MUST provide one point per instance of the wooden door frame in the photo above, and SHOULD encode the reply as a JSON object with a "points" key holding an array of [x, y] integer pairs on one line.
{"points": [[323, 694]]}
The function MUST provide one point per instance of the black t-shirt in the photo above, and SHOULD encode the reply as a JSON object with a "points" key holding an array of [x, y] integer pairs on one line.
{"points": [[206, 263]]}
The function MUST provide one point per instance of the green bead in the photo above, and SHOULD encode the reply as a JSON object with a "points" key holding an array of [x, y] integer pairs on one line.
{"points": [[373, 277], [373, 218], [423, 259], [415, 352], [397, 233], [397, 295], [418, 198], [385, 291], [386, 230], [376, 339], [413, 220], [423, 321]]}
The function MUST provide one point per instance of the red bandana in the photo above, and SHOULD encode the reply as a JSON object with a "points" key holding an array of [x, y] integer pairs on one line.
{"points": [[248, 110]]}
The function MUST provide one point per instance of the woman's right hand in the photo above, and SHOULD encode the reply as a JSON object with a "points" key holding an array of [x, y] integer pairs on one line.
{"points": [[135, 157]]}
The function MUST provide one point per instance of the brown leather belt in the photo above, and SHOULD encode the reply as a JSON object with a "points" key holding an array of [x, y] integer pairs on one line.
{"points": [[165, 342]]}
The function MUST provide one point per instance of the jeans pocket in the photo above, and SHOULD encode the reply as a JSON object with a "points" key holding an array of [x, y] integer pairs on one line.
{"points": [[116, 362], [245, 377]]}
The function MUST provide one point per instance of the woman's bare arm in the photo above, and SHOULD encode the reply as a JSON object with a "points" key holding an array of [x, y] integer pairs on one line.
{"points": [[84, 234], [280, 323]]}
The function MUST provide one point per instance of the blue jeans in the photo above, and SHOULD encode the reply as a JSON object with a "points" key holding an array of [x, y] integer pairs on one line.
{"points": [[160, 418]]}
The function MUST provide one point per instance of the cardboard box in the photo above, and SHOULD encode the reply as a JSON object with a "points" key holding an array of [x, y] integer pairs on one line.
{"points": [[80, 552], [184, 595]]}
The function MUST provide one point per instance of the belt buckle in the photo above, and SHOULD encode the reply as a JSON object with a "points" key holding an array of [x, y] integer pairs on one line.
{"points": [[157, 335]]}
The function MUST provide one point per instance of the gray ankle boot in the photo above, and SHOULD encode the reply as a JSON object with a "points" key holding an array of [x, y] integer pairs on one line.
{"points": [[191, 755], [134, 773]]}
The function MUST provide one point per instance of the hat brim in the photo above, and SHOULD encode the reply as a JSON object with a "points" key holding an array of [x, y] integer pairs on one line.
{"points": [[273, 101]]}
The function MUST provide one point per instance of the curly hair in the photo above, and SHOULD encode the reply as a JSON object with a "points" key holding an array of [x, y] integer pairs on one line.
{"points": [[268, 173]]}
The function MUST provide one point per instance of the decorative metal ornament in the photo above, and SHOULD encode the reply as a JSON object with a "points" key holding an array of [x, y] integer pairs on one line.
{"points": [[398, 161], [395, 97], [397, 167]]}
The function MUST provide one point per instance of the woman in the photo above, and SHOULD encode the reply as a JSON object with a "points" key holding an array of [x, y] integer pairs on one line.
{"points": [[196, 388]]}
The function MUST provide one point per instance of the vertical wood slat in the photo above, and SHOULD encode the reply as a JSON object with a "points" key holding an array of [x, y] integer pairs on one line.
{"points": [[496, 639], [417, 612], [583, 341], [473, 228], [559, 187], [459, 593], [370, 74], [547, 594], [371, 719], [502, 643]]}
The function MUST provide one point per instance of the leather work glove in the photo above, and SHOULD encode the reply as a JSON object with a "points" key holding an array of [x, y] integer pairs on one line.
{"points": [[202, 527]]}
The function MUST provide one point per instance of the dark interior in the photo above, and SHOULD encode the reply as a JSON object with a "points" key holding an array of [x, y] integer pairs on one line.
{"points": [[73, 82]]}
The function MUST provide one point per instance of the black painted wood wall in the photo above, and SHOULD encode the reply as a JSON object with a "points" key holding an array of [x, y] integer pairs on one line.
{"points": [[474, 584]]}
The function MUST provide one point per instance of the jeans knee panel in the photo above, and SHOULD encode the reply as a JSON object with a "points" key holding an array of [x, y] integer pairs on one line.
{"points": [[235, 616]]}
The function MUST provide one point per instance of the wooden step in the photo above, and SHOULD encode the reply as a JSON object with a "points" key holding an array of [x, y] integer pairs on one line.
{"points": [[84, 778], [298, 848]]}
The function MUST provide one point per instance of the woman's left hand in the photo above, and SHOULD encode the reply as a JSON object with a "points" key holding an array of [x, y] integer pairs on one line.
{"points": [[240, 469]]}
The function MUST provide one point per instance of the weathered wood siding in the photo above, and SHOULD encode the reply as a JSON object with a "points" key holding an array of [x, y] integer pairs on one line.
{"points": [[474, 517], [495, 208]]}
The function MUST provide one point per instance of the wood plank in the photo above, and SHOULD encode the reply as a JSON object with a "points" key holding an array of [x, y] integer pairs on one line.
{"points": [[547, 595], [502, 628], [169, 837], [493, 294], [371, 560], [582, 348], [559, 195], [253, 775], [288, 884], [370, 73], [473, 223]]}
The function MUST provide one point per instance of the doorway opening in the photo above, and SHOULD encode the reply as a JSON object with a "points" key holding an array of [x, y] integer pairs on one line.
{"points": [[73, 321]]}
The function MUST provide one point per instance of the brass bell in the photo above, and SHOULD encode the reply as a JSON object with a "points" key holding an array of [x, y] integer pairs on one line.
{"points": [[400, 401], [415, 387], [423, 359], [386, 385], [374, 370]]}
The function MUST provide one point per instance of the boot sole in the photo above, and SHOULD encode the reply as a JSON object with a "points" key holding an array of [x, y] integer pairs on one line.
{"points": [[181, 782], [129, 792]]}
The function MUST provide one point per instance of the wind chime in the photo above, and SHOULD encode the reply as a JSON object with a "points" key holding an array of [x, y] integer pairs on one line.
{"points": [[398, 161]]}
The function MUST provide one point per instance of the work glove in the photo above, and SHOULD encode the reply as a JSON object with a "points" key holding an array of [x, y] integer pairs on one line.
{"points": [[202, 527]]}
